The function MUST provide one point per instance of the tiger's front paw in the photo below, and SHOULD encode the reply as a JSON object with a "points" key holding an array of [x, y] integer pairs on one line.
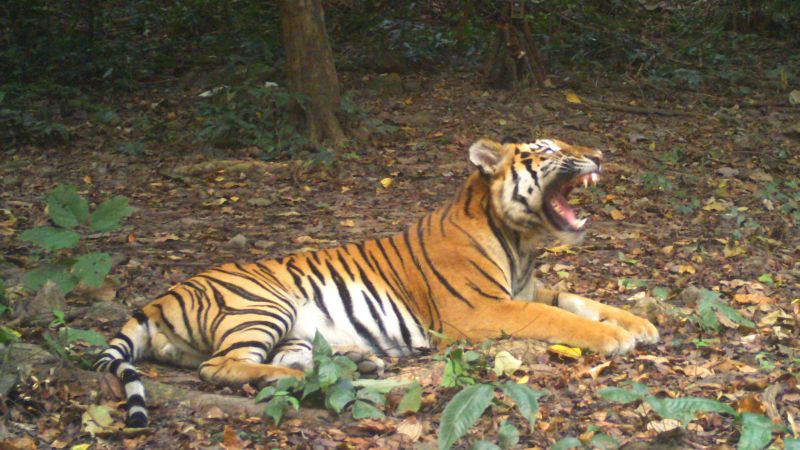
{"points": [[640, 328], [609, 339]]}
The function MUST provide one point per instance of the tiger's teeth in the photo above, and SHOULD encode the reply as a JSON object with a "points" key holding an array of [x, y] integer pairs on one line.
{"points": [[585, 183], [594, 177], [580, 223]]}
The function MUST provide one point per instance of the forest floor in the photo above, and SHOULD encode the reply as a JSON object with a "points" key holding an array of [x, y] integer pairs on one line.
{"points": [[697, 190]]}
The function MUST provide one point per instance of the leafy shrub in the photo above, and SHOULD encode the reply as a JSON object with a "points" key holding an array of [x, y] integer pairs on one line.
{"points": [[22, 121], [709, 306], [334, 382], [250, 116], [62, 342], [756, 430], [69, 213]]}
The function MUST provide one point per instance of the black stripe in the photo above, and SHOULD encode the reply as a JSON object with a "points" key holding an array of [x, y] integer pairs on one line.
{"points": [[129, 375], [122, 337], [347, 301], [370, 287], [239, 291], [140, 316], [361, 246], [374, 313], [395, 287], [483, 293], [555, 301], [394, 246], [124, 354], [442, 216], [258, 323], [477, 246], [503, 243], [164, 318], [342, 261], [432, 307], [489, 277], [318, 300], [468, 201], [184, 314], [134, 400], [439, 276], [114, 366], [242, 344], [136, 420], [199, 298], [296, 273], [404, 332]]}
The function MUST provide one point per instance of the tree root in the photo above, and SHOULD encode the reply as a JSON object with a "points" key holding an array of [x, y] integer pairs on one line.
{"points": [[164, 395]]}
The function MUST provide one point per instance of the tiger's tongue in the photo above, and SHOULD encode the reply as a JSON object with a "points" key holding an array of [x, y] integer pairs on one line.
{"points": [[563, 209]]}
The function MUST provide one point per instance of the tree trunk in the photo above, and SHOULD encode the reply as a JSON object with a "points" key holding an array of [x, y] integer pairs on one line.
{"points": [[309, 67]]}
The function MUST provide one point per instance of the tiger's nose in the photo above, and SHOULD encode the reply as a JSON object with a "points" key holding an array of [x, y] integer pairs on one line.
{"points": [[596, 156]]}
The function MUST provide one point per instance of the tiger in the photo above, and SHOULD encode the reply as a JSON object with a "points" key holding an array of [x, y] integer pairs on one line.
{"points": [[464, 271]]}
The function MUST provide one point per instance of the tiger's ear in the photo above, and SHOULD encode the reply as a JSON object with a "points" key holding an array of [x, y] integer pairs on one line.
{"points": [[486, 155]]}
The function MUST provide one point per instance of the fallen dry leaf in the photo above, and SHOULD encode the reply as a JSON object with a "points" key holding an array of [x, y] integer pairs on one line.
{"points": [[572, 97], [230, 440], [750, 404], [564, 351], [753, 299], [663, 425], [410, 427], [595, 371]]}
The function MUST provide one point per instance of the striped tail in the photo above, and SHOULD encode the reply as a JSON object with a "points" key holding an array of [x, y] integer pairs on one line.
{"points": [[125, 348]]}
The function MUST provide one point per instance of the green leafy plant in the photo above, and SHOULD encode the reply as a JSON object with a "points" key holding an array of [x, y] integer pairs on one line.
{"points": [[334, 382], [469, 404], [709, 306], [257, 116], [71, 218], [756, 429], [460, 366], [62, 343], [598, 440]]}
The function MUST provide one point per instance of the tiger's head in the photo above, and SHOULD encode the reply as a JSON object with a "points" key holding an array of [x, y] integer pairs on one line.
{"points": [[530, 182]]}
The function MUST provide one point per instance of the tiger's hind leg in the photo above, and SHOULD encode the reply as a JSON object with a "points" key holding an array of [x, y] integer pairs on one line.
{"points": [[241, 358], [293, 353], [240, 366]]}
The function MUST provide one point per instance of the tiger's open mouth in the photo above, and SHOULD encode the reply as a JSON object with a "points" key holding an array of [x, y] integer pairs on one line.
{"points": [[556, 206]]}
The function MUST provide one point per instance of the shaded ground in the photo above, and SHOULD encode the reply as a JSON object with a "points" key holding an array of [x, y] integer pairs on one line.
{"points": [[697, 191]]}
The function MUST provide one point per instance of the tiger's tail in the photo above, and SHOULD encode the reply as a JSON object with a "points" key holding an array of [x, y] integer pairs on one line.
{"points": [[129, 345]]}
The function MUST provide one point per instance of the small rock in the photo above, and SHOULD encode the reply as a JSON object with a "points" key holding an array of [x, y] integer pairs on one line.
{"points": [[727, 172], [393, 82], [411, 85], [760, 175], [10, 179], [26, 357], [420, 118], [41, 306], [649, 307], [690, 296], [189, 221], [105, 293], [237, 242], [107, 312], [540, 110], [259, 201], [263, 244]]}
